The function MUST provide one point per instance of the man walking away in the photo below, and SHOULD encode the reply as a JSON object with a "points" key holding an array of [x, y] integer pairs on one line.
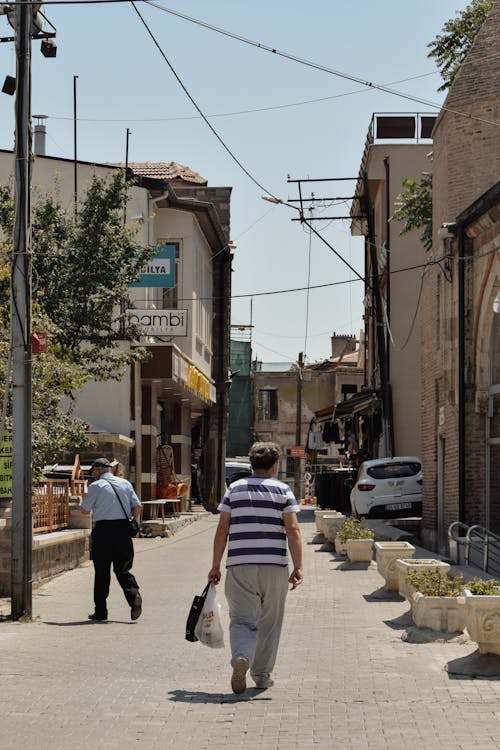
{"points": [[111, 541], [258, 514]]}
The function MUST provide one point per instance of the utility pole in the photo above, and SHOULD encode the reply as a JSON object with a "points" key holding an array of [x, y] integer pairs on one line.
{"points": [[298, 426], [21, 601]]}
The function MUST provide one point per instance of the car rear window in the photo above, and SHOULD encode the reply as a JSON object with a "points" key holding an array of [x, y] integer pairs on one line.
{"points": [[393, 471]]}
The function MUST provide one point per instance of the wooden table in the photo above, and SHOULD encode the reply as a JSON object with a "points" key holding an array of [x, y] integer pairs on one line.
{"points": [[160, 503]]}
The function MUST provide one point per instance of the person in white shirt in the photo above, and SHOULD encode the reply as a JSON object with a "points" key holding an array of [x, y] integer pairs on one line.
{"points": [[111, 541]]}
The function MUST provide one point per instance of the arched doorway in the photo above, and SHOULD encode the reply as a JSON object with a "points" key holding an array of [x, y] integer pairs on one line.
{"points": [[493, 431]]}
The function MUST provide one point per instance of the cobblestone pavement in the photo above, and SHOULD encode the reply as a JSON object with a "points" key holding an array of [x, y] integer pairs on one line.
{"points": [[344, 677]]}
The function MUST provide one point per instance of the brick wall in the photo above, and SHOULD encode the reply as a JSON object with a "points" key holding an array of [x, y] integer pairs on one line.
{"points": [[465, 166]]}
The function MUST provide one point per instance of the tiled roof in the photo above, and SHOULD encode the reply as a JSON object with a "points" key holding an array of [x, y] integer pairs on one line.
{"points": [[162, 170]]}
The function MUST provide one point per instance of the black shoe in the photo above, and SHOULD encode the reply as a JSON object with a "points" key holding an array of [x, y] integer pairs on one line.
{"points": [[136, 608], [98, 618]]}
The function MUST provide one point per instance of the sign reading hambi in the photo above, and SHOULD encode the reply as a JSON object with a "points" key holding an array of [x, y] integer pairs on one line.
{"points": [[160, 322]]}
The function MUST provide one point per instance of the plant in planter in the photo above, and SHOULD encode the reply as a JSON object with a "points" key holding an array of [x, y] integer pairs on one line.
{"points": [[405, 566], [482, 614], [358, 540], [438, 601], [386, 554]]}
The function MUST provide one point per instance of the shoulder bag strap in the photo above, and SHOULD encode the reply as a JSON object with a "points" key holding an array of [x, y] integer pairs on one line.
{"points": [[118, 496]]}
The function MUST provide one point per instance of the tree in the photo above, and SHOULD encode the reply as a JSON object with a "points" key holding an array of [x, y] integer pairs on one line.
{"points": [[450, 48], [82, 268], [414, 208]]}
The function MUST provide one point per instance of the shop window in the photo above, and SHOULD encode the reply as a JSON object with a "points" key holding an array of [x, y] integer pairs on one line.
{"points": [[268, 404]]}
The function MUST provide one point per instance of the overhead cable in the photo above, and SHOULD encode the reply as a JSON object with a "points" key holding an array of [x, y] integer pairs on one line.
{"points": [[318, 66]]}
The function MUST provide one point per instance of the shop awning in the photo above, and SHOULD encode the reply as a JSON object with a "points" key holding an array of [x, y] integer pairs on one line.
{"points": [[362, 403]]}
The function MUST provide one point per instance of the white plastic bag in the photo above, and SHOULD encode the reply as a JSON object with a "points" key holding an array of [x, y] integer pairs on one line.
{"points": [[209, 626]]}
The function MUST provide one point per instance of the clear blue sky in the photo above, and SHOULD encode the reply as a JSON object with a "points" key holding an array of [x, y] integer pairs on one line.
{"points": [[124, 82]]}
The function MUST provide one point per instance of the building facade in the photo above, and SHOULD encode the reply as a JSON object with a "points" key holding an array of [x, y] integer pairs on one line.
{"points": [[460, 325], [179, 395]]}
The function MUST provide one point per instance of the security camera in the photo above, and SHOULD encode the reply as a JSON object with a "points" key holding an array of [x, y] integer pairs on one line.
{"points": [[447, 230]]}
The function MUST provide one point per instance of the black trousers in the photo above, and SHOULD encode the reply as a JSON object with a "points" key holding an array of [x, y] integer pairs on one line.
{"points": [[112, 545]]}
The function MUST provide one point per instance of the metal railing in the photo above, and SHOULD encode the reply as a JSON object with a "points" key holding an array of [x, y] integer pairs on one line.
{"points": [[476, 539]]}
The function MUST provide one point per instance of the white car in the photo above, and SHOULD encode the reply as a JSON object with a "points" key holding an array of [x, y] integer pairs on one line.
{"points": [[388, 488]]}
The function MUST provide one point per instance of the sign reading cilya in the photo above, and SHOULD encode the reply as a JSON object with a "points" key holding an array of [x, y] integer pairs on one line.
{"points": [[160, 270]]}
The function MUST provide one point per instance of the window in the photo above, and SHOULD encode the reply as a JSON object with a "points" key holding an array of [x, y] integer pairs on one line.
{"points": [[170, 296], [268, 404], [394, 471]]}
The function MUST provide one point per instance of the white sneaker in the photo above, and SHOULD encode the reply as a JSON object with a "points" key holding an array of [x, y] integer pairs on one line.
{"points": [[239, 677]]}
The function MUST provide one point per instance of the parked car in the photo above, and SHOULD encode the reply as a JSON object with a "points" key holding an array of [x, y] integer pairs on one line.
{"points": [[237, 469], [388, 488]]}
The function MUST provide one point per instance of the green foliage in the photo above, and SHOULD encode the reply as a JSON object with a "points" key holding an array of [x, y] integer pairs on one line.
{"points": [[450, 48], [352, 529], [414, 208], [432, 583], [480, 587], [81, 272]]}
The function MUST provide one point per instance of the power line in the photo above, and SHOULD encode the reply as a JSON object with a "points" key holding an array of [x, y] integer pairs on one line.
{"points": [[318, 66], [180, 118], [195, 105]]}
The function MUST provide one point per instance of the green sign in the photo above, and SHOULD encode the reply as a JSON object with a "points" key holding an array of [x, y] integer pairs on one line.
{"points": [[6, 466]]}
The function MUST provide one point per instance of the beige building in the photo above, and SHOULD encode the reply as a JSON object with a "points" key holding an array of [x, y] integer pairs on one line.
{"points": [[179, 396], [396, 148], [290, 400]]}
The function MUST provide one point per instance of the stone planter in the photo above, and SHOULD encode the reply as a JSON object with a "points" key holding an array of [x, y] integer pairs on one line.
{"points": [[406, 566], [320, 514], [340, 547], [482, 620], [439, 613], [359, 550], [386, 554], [331, 524]]}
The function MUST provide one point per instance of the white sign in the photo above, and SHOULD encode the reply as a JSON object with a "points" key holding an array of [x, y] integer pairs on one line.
{"points": [[160, 322]]}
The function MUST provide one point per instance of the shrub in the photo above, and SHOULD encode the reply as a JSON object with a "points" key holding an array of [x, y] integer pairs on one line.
{"points": [[352, 529], [480, 587], [432, 583]]}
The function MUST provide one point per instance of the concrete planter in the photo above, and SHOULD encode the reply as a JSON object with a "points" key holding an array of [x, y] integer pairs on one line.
{"points": [[320, 514], [439, 613], [359, 550], [386, 554], [482, 620], [340, 547], [331, 524], [405, 566]]}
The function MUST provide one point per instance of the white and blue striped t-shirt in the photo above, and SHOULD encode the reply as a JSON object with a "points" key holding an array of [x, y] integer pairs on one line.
{"points": [[257, 531]]}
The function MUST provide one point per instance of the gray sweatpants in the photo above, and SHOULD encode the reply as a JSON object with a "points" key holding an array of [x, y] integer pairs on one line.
{"points": [[256, 595]]}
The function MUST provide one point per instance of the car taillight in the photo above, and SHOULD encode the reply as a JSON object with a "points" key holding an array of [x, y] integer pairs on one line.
{"points": [[366, 487]]}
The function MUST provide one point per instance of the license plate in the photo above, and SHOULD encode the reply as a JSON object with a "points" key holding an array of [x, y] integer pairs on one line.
{"points": [[398, 506]]}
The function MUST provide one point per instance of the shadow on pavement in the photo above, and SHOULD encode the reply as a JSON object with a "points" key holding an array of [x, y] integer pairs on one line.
{"points": [[400, 623], [353, 566], [317, 539], [383, 595], [475, 666], [199, 696], [87, 622]]}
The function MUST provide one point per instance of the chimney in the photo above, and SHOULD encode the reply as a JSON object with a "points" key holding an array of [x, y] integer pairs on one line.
{"points": [[40, 134], [342, 345]]}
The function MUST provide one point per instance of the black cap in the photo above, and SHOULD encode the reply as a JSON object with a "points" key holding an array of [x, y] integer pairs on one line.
{"points": [[100, 463]]}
